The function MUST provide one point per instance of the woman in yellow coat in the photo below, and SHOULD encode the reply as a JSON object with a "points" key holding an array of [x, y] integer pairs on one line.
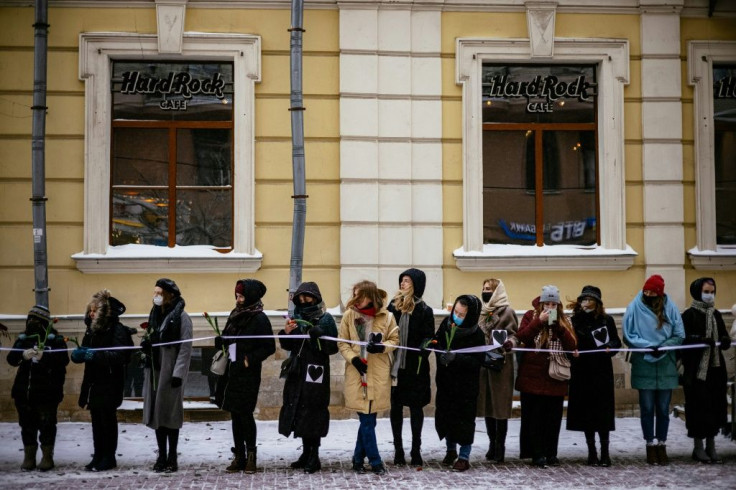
{"points": [[367, 366]]}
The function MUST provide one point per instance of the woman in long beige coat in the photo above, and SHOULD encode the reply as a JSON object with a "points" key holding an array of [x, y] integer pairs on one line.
{"points": [[367, 366], [496, 387]]}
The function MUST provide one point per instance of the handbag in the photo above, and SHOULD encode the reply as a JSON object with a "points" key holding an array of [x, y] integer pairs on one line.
{"points": [[493, 360], [219, 362], [290, 364], [559, 364]]}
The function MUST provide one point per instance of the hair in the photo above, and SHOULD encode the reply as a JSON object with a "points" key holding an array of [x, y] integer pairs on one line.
{"points": [[367, 289], [493, 282], [404, 299], [576, 307], [658, 309], [562, 319], [168, 297]]}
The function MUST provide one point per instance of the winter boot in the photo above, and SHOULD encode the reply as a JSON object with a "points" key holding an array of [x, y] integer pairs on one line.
{"points": [[47, 458], [661, 451], [313, 464], [107, 462], [172, 465], [399, 457], [651, 454], [502, 427], [302, 461], [238, 463], [592, 453], [699, 453], [92, 465], [605, 460], [250, 464], [416, 452], [29, 457], [450, 458], [160, 464], [710, 449], [491, 430]]}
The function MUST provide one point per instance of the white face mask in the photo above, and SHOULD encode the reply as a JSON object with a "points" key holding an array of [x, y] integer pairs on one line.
{"points": [[588, 310], [158, 300], [709, 298]]}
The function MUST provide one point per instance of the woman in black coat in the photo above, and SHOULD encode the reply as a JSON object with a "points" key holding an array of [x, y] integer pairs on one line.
{"points": [[458, 380], [591, 406], [104, 374], [242, 380], [704, 379], [307, 387], [38, 387], [410, 368]]}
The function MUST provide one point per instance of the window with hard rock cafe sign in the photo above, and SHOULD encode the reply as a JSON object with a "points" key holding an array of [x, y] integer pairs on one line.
{"points": [[724, 145], [540, 169], [172, 154]]}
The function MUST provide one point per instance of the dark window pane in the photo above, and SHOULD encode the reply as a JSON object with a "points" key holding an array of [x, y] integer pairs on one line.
{"points": [[570, 209], [140, 156], [508, 207], [203, 157], [204, 217], [725, 170], [140, 216]]}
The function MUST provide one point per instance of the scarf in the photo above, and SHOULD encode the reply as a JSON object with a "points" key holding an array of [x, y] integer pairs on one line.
{"points": [[487, 321], [239, 312], [166, 322], [400, 354], [311, 312], [709, 356], [640, 325]]}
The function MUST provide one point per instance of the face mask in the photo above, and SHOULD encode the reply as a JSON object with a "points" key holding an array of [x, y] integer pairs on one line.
{"points": [[486, 295], [456, 320], [588, 310], [158, 300], [648, 300], [709, 298]]}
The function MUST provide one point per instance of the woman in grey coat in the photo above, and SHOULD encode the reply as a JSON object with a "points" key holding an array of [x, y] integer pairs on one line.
{"points": [[166, 371]]}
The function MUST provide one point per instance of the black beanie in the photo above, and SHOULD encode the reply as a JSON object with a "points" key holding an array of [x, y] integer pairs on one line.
{"points": [[253, 290], [169, 286]]}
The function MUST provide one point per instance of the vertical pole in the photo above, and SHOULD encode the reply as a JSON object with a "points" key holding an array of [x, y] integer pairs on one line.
{"points": [[38, 154], [297, 152]]}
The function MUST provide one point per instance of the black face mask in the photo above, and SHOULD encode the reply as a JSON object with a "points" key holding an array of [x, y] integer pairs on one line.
{"points": [[486, 295], [649, 300], [308, 311]]}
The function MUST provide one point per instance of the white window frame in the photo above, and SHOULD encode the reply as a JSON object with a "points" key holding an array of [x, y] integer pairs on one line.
{"points": [[612, 59], [96, 53], [707, 254]]}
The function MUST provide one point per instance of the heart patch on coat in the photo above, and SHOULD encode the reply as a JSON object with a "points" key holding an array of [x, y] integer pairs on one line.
{"points": [[600, 336], [499, 336], [315, 373]]}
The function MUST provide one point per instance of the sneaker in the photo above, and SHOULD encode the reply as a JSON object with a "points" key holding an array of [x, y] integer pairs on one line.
{"points": [[461, 465], [450, 458], [379, 469]]}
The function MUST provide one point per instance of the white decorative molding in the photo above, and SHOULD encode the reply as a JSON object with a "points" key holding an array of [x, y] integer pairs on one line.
{"points": [[612, 58], [700, 58], [525, 258], [170, 16], [723, 258], [540, 22], [96, 51]]}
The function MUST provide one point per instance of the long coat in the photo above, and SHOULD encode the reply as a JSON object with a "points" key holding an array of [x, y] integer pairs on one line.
{"points": [[706, 405], [497, 387], [412, 387], [307, 388], [39, 383], [242, 384], [378, 376], [458, 384], [104, 375], [591, 404], [164, 407]]}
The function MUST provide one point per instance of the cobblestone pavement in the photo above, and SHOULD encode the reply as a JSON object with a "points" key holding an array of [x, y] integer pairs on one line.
{"points": [[204, 452]]}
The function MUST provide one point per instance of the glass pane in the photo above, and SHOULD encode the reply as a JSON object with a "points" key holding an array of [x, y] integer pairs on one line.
{"points": [[724, 114], [203, 157], [140, 156], [570, 204], [508, 205], [539, 93], [172, 91], [204, 217], [140, 216]]}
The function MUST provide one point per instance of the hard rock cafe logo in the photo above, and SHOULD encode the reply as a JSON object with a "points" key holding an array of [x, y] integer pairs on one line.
{"points": [[179, 84], [725, 88], [549, 88]]}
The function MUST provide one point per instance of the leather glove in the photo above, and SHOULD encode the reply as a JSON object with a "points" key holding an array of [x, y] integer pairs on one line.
{"points": [[374, 343], [725, 342], [79, 354], [446, 358], [146, 345], [316, 332], [28, 354], [508, 345], [218, 342], [175, 382], [359, 365]]}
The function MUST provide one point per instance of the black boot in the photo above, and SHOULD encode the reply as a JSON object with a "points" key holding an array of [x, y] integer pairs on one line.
{"points": [[160, 464], [313, 465], [491, 430], [416, 452], [592, 452], [172, 464], [238, 463], [605, 457], [302, 461], [29, 457], [502, 427], [250, 463], [399, 457]]}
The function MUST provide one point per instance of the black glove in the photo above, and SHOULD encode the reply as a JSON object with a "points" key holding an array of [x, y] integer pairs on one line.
{"points": [[359, 365], [146, 345], [175, 382], [708, 341], [656, 353], [725, 342], [446, 358], [374, 348], [81, 404], [218, 342], [508, 345], [316, 332]]}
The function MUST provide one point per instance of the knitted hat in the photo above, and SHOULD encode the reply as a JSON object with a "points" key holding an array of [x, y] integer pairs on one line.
{"points": [[39, 313], [550, 294], [253, 290], [310, 289], [591, 292], [655, 284], [418, 279], [169, 286]]}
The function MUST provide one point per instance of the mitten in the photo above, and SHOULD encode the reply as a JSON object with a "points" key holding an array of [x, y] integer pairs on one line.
{"points": [[28, 354], [508, 345], [79, 354], [446, 358], [89, 355], [725, 342], [358, 364], [316, 332], [175, 382]]}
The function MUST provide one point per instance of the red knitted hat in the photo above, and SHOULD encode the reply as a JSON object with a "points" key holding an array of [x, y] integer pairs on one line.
{"points": [[240, 288], [655, 284]]}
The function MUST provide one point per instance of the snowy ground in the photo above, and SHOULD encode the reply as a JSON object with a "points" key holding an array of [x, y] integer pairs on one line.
{"points": [[205, 450]]}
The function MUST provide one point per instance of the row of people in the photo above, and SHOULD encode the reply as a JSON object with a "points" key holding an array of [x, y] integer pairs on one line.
{"points": [[379, 376]]}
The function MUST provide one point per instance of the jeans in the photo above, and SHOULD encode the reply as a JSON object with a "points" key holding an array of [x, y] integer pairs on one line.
{"points": [[651, 403], [464, 449], [366, 444]]}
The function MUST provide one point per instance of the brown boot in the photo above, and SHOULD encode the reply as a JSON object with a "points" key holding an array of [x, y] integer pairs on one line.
{"points": [[662, 459], [651, 454], [250, 464], [29, 458], [238, 463], [47, 458]]}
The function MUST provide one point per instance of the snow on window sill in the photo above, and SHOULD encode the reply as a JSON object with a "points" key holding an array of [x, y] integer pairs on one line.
{"points": [[722, 258], [147, 258], [554, 257]]}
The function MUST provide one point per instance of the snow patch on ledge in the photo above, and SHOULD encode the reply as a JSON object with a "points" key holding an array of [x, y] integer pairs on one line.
{"points": [[548, 257], [157, 252], [722, 250], [493, 251], [722, 258]]}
